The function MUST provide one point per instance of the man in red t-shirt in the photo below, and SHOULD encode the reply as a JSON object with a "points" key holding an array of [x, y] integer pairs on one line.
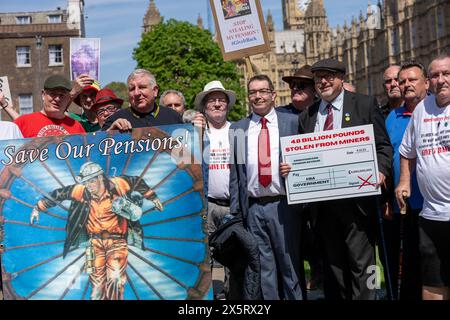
{"points": [[51, 120]]}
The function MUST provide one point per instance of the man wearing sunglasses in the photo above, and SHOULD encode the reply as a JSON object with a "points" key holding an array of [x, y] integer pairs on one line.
{"points": [[303, 93]]}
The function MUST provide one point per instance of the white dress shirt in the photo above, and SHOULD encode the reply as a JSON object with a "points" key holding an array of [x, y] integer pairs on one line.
{"points": [[338, 105], [255, 189]]}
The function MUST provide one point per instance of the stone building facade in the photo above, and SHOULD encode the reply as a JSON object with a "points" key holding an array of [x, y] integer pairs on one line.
{"points": [[35, 45], [391, 32], [286, 54], [388, 33]]}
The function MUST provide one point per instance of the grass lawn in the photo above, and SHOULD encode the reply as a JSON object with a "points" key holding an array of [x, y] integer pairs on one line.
{"points": [[380, 266]]}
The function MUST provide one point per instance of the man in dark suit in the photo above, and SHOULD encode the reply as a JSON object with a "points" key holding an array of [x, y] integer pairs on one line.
{"points": [[257, 191], [347, 227]]}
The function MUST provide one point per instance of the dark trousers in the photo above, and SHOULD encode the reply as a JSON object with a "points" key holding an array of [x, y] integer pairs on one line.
{"points": [[348, 241], [310, 246], [276, 227], [410, 283]]}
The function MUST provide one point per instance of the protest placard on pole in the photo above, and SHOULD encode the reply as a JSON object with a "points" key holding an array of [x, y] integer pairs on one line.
{"points": [[4, 88], [241, 31], [85, 57]]}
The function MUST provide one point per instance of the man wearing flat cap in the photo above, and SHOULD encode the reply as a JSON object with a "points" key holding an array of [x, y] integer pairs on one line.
{"points": [[302, 88], [346, 227], [57, 95]]}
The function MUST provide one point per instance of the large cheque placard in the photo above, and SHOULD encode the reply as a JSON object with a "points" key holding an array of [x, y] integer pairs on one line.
{"points": [[329, 165]]}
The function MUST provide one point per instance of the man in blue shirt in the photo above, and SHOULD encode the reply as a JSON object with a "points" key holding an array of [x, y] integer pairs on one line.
{"points": [[413, 85]]}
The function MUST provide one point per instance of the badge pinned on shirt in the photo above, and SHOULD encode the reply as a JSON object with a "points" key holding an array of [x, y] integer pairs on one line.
{"points": [[347, 117]]}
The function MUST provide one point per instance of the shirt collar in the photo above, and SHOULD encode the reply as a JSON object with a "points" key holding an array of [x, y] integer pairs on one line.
{"points": [[402, 112], [271, 117], [337, 103], [153, 113]]}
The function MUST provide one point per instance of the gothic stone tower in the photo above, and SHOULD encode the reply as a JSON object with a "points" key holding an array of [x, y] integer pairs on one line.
{"points": [[317, 32], [151, 18], [293, 14]]}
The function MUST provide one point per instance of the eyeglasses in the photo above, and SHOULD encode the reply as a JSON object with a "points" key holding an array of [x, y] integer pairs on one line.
{"points": [[327, 76], [110, 108], [221, 101], [299, 85], [253, 93]]}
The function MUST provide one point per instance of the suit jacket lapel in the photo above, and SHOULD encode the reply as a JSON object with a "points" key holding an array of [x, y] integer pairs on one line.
{"points": [[349, 108], [312, 119], [282, 127], [245, 126]]}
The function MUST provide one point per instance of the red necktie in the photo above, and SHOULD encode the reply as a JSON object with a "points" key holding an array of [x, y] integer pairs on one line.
{"points": [[264, 164], [329, 120]]}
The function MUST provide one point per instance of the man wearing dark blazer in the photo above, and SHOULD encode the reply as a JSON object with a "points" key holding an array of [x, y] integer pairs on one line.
{"points": [[257, 191], [347, 227]]}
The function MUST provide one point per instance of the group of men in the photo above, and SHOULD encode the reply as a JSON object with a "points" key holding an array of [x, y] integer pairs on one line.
{"points": [[245, 175], [414, 248], [100, 108]]}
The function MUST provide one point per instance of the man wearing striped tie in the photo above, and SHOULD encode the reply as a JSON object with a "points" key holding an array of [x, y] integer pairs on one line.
{"points": [[346, 227]]}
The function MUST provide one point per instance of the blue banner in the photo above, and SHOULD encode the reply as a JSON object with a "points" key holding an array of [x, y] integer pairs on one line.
{"points": [[104, 216]]}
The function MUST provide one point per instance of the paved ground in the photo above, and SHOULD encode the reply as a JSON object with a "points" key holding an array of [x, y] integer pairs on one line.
{"points": [[218, 275]]}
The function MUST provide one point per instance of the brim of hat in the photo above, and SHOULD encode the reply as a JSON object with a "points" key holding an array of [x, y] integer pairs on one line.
{"points": [[288, 79], [85, 179], [326, 69], [118, 100], [199, 98], [58, 87], [77, 99]]}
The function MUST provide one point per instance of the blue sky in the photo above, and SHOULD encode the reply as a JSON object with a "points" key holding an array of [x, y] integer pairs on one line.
{"points": [[118, 23]]}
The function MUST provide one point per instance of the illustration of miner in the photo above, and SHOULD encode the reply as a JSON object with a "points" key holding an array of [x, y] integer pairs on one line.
{"points": [[104, 213]]}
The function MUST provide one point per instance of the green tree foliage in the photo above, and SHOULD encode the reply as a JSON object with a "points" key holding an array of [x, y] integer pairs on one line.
{"points": [[121, 91], [184, 57]]}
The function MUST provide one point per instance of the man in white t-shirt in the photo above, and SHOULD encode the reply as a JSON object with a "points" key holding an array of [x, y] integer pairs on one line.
{"points": [[214, 102], [426, 147]]}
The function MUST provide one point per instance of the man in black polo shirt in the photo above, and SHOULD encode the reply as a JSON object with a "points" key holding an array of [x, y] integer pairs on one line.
{"points": [[144, 112]]}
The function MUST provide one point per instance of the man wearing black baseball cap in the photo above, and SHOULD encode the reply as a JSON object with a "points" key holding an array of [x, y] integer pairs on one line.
{"points": [[57, 95], [346, 227]]}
